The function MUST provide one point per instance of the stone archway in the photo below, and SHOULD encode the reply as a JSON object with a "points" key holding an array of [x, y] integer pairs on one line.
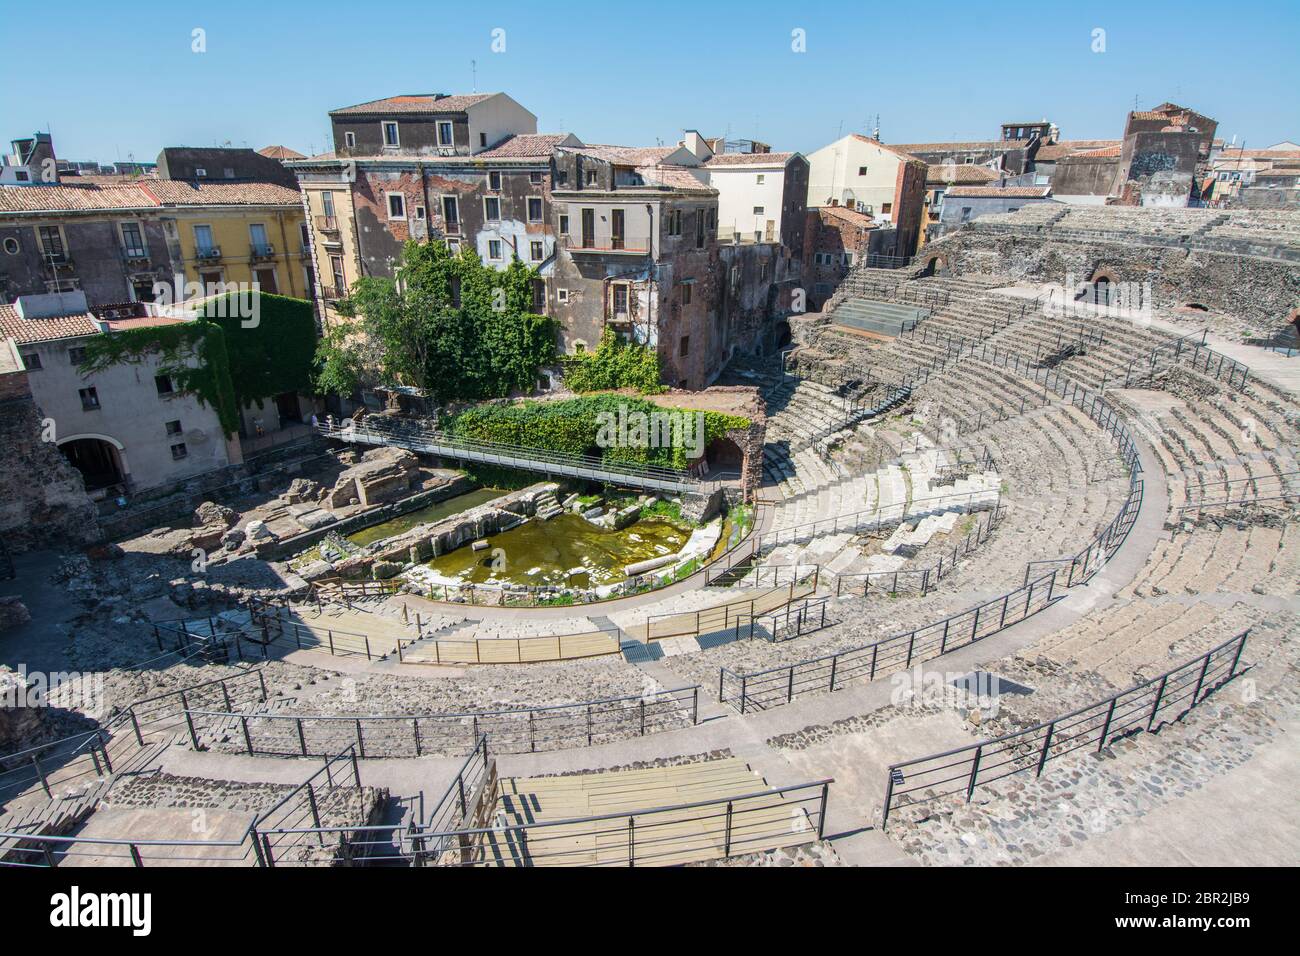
{"points": [[723, 454], [99, 458], [936, 265]]}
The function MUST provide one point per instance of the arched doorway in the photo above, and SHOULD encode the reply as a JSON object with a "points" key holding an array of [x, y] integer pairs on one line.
{"points": [[783, 336], [935, 266], [723, 454], [98, 459]]}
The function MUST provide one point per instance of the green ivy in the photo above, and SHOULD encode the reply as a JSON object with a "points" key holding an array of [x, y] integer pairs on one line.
{"points": [[272, 357], [615, 364], [573, 426], [176, 346]]}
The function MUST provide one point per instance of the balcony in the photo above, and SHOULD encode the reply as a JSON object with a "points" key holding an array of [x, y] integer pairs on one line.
{"points": [[208, 254], [261, 251], [136, 258], [613, 247], [333, 293], [328, 224]]}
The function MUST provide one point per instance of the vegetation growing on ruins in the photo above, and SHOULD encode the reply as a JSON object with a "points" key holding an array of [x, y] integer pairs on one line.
{"points": [[192, 354], [573, 426], [273, 356], [615, 364], [447, 324], [237, 363]]}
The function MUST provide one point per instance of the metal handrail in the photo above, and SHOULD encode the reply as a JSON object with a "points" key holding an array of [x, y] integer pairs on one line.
{"points": [[895, 774]]}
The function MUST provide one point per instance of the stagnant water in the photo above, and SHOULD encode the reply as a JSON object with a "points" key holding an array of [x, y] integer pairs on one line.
{"points": [[434, 512], [567, 550]]}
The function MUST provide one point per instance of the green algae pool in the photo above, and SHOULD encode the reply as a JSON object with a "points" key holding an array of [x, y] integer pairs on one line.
{"points": [[568, 551], [434, 512]]}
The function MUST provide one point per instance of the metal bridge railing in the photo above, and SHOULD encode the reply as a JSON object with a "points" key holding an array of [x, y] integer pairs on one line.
{"points": [[1144, 707]]}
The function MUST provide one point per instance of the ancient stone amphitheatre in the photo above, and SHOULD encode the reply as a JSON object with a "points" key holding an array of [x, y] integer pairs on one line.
{"points": [[1004, 571]]}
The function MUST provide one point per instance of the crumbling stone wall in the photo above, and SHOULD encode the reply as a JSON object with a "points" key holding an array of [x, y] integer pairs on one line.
{"points": [[1261, 292], [43, 501]]}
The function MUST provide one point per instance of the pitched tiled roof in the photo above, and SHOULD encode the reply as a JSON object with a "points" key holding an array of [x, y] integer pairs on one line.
{"points": [[416, 103], [850, 216], [673, 177], [170, 192], [959, 173], [626, 155], [749, 159], [1103, 151], [996, 144], [899, 151], [281, 152], [1067, 147], [142, 194], [1005, 192], [524, 146], [72, 198], [26, 331]]}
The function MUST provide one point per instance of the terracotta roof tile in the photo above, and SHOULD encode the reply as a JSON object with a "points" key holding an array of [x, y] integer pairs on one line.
{"points": [[959, 173], [1005, 192], [64, 198], [170, 192], [27, 331], [415, 103], [525, 146], [281, 152], [991, 145], [750, 159]]}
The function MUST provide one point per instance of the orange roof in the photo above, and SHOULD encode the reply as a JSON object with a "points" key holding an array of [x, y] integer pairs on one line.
{"points": [[281, 152], [28, 331], [416, 103]]}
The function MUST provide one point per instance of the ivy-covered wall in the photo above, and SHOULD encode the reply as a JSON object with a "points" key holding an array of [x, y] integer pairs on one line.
{"points": [[575, 426]]}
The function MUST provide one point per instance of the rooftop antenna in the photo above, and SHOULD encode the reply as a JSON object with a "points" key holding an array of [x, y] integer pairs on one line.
{"points": [[473, 69]]}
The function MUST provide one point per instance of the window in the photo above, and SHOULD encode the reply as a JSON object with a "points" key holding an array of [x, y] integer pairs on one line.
{"points": [[761, 179], [482, 139], [699, 229], [133, 241], [492, 209], [164, 384], [536, 250], [675, 222], [210, 281], [89, 399], [349, 139], [257, 237], [561, 177], [419, 213], [1014, 209], [886, 208], [22, 176], [31, 361], [535, 177], [179, 451], [454, 247], [686, 293], [327, 203], [617, 228], [591, 177], [450, 214], [534, 209], [561, 295], [265, 279], [620, 301], [76, 355], [203, 240], [396, 206], [758, 210], [52, 243], [445, 137], [390, 135], [494, 181], [684, 346], [336, 270], [228, 173], [494, 249], [564, 224], [862, 170], [11, 245], [199, 172], [173, 427], [965, 213]]}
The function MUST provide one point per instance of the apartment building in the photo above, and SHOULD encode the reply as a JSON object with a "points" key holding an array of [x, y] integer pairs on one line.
{"points": [[867, 176], [622, 237]]}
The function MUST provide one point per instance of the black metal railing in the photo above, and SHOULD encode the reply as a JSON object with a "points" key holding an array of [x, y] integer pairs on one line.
{"points": [[759, 690], [518, 730], [1144, 707], [719, 828], [1232, 493]]}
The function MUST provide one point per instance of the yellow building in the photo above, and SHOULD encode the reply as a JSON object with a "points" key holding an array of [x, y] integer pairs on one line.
{"points": [[236, 233]]}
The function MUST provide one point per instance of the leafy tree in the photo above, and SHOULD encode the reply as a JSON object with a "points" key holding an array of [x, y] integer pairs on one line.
{"points": [[446, 324], [615, 364]]}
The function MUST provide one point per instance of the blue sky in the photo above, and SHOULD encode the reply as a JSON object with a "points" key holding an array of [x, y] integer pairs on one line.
{"points": [[113, 80]]}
